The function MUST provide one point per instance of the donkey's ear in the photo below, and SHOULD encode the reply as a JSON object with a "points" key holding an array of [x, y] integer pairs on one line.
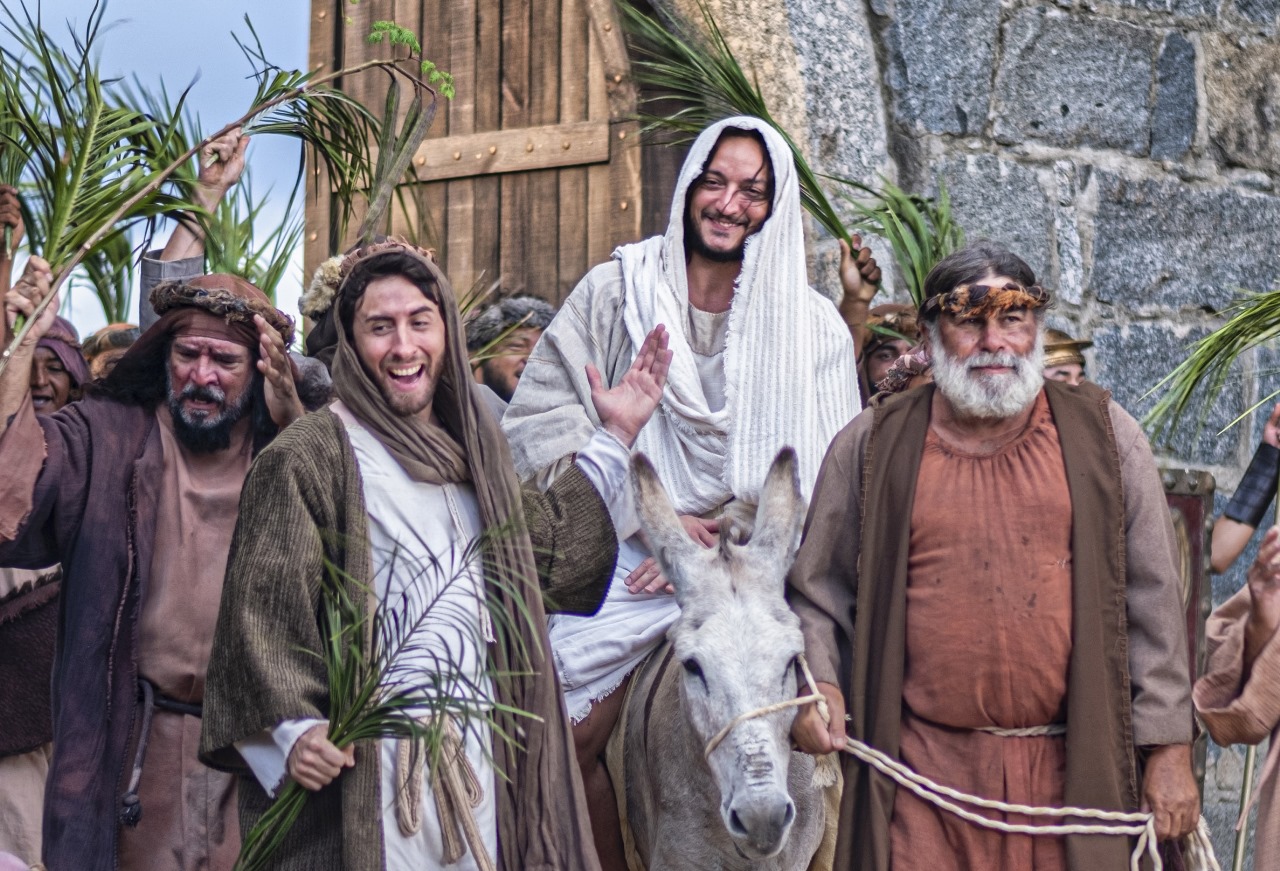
{"points": [[781, 513], [672, 547]]}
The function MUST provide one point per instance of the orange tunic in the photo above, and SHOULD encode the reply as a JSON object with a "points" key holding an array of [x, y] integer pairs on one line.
{"points": [[988, 643]]}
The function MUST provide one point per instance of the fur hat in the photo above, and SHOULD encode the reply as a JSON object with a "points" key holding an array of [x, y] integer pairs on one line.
{"points": [[517, 311]]}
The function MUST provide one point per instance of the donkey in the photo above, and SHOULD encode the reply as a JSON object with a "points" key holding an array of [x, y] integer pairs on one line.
{"points": [[752, 803]]}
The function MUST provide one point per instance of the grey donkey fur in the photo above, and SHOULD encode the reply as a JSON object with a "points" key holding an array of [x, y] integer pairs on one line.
{"points": [[751, 804]]}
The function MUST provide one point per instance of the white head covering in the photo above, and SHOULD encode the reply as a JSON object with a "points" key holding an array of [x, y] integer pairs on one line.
{"points": [[788, 359]]}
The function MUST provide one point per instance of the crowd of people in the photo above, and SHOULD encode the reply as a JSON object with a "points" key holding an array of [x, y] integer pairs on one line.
{"points": [[986, 582]]}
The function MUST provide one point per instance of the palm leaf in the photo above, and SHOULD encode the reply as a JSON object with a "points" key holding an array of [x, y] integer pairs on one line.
{"points": [[96, 160], [393, 692], [702, 74], [919, 230], [108, 270], [1252, 322]]}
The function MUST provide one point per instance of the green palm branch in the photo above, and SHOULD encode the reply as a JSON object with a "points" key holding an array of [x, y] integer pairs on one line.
{"points": [[98, 163], [920, 230], [401, 688], [1253, 321], [108, 272]]}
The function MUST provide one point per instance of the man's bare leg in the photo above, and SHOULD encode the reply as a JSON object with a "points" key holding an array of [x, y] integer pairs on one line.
{"points": [[590, 739]]}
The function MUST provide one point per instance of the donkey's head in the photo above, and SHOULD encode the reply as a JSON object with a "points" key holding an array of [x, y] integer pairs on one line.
{"points": [[736, 643]]}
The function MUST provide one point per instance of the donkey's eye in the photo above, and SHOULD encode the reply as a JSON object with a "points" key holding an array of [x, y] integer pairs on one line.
{"points": [[691, 666]]}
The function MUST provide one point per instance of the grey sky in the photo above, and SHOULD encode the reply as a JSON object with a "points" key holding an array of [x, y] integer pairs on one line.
{"points": [[178, 40]]}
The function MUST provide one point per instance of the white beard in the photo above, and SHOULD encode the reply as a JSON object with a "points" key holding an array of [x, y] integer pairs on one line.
{"points": [[986, 396]]}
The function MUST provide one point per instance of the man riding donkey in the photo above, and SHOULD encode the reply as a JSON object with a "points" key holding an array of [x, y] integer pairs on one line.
{"points": [[760, 361], [988, 576]]}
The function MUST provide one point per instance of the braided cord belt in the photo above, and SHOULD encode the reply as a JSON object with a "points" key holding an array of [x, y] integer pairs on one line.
{"points": [[1197, 848]]}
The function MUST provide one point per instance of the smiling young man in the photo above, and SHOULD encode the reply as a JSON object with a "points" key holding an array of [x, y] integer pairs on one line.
{"points": [[134, 490], [957, 592], [760, 361], [394, 484]]}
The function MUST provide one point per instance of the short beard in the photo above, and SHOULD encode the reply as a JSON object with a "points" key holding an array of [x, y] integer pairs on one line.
{"points": [[987, 397], [694, 244], [205, 434]]}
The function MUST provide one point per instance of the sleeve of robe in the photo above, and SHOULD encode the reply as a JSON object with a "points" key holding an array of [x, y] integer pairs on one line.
{"points": [[44, 486], [1238, 709], [823, 584], [1158, 660], [574, 544], [262, 668], [551, 416], [153, 272]]}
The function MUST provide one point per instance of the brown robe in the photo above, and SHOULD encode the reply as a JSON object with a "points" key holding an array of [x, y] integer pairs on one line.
{"points": [[302, 510], [988, 644], [28, 620], [1242, 706], [1128, 683], [189, 818]]}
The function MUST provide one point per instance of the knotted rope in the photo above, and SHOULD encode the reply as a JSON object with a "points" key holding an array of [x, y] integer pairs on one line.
{"points": [[1197, 848]]}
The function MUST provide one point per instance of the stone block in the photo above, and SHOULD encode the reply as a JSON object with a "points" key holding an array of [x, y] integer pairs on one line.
{"points": [[1002, 201], [843, 96], [1173, 121], [1242, 87], [1160, 242], [1181, 8], [1258, 11], [1070, 82], [1131, 360], [940, 57]]}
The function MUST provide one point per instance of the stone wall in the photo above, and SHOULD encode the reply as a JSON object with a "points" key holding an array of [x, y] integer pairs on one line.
{"points": [[1128, 150]]}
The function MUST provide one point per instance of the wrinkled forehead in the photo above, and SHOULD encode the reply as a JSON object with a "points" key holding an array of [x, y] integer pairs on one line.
{"points": [[196, 344]]}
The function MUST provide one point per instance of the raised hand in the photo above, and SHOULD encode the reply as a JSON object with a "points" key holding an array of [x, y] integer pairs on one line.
{"points": [[859, 273], [10, 219], [35, 284], [221, 165], [625, 408], [273, 363]]}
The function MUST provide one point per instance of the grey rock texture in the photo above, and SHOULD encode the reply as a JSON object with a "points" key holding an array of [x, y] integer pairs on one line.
{"points": [[1068, 81], [1163, 243], [1001, 200], [940, 59], [1173, 120], [1242, 84]]}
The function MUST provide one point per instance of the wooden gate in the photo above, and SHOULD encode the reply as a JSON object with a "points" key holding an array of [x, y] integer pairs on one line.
{"points": [[532, 173]]}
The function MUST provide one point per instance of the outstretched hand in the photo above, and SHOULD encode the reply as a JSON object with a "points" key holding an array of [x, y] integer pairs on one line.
{"points": [[625, 408], [273, 362]]}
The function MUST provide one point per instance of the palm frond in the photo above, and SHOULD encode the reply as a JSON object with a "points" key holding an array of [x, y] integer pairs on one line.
{"points": [[1252, 322], [108, 272], [405, 688], [88, 152], [920, 230], [702, 74], [96, 159]]}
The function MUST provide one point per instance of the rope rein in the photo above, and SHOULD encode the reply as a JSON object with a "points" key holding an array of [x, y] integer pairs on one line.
{"points": [[1197, 848]]}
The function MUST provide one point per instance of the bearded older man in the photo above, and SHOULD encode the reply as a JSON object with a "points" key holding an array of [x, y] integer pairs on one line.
{"points": [[134, 490], [985, 556]]}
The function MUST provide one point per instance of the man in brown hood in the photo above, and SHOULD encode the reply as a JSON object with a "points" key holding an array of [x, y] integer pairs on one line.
{"points": [[134, 490], [395, 484]]}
